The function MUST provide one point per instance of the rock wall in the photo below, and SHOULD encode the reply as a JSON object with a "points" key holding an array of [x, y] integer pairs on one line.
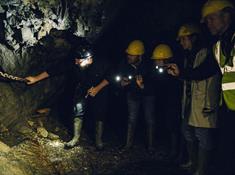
{"points": [[23, 23]]}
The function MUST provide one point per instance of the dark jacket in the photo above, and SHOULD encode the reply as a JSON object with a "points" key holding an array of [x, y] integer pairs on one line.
{"points": [[125, 70], [83, 79]]}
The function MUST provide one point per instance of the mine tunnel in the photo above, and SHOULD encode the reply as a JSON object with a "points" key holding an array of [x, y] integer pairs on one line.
{"points": [[87, 87]]}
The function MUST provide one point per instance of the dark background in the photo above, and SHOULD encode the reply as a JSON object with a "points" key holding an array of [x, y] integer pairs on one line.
{"points": [[153, 22]]}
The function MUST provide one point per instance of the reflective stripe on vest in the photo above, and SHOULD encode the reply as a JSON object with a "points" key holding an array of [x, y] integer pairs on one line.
{"points": [[228, 86], [228, 71]]}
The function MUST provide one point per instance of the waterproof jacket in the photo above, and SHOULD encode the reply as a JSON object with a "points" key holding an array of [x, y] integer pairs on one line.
{"points": [[201, 98]]}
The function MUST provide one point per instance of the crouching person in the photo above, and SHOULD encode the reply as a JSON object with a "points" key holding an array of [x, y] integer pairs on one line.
{"points": [[90, 75]]}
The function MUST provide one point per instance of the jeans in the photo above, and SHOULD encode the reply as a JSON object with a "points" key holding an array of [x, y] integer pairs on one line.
{"points": [[97, 104], [204, 136], [134, 105]]}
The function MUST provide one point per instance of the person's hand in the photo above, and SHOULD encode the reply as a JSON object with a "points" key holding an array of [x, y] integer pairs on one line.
{"points": [[93, 91], [208, 111], [139, 81], [173, 69], [125, 81], [31, 80]]}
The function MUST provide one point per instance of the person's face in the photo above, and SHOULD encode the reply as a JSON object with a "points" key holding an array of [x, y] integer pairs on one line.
{"points": [[216, 23], [162, 62], [186, 42], [159, 62], [133, 59], [84, 63]]}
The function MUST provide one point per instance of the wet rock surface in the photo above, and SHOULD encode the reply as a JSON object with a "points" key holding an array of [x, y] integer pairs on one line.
{"points": [[24, 22], [45, 157], [26, 49], [38, 154]]}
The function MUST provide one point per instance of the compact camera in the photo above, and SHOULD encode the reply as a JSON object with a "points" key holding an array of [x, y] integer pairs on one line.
{"points": [[118, 78], [161, 69]]}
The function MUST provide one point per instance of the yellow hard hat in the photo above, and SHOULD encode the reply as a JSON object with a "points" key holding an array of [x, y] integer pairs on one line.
{"points": [[162, 52], [187, 29], [213, 6], [136, 47]]}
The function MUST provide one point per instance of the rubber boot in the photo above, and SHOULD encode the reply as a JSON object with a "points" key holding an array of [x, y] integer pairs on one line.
{"points": [[77, 132], [182, 155], [130, 136], [150, 137], [203, 156], [99, 134], [191, 165]]}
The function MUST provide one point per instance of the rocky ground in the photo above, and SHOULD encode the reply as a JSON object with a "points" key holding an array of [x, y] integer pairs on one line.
{"points": [[45, 157], [40, 151]]}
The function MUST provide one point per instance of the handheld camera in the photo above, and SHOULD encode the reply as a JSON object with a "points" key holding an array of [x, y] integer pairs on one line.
{"points": [[118, 78], [161, 69]]}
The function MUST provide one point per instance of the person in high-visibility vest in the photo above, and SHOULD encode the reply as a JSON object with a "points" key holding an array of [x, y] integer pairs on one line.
{"points": [[219, 18]]}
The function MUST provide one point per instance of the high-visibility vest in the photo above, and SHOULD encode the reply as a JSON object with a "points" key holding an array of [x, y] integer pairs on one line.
{"points": [[228, 70]]}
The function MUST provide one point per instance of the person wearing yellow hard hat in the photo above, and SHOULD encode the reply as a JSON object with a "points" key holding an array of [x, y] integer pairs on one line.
{"points": [[167, 94], [132, 78], [200, 98], [136, 47], [161, 55], [219, 16], [134, 51]]}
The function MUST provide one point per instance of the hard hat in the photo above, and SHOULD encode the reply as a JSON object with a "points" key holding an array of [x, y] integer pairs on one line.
{"points": [[136, 47], [162, 52], [188, 29], [213, 6]]}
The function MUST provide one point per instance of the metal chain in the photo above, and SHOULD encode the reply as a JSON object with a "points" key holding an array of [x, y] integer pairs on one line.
{"points": [[11, 77]]}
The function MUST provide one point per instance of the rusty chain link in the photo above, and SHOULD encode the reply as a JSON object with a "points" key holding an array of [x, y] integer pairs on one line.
{"points": [[11, 77]]}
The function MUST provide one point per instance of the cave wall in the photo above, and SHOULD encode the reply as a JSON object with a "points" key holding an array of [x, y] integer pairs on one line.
{"points": [[26, 21], [23, 23]]}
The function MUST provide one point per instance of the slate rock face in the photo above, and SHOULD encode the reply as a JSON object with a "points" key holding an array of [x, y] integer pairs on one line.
{"points": [[23, 23], [26, 21]]}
